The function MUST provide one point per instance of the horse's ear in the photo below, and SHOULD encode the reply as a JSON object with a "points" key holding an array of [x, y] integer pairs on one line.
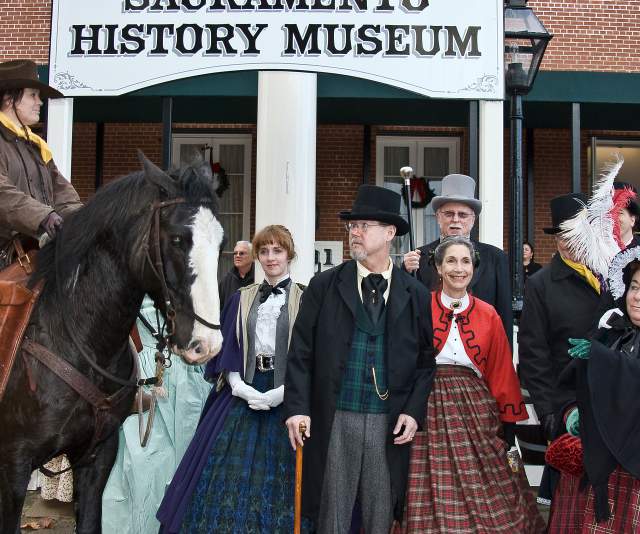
{"points": [[156, 175]]}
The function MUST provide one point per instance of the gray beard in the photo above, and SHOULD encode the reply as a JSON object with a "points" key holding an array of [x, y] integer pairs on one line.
{"points": [[442, 237], [358, 256]]}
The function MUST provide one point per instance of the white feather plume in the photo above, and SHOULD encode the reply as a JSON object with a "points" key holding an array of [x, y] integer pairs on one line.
{"points": [[589, 234]]}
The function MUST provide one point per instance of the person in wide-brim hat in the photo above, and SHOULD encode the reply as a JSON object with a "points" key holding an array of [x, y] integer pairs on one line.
{"points": [[374, 203], [22, 74], [34, 197]]}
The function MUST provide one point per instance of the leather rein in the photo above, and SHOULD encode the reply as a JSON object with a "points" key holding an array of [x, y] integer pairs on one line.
{"points": [[104, 405]]}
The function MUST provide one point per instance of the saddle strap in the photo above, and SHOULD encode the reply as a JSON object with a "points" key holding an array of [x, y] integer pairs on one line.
{"points": [[102, 404], [69, 374]]}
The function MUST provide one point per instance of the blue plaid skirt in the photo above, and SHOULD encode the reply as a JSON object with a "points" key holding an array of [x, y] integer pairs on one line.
{"points": [[247, 485]]}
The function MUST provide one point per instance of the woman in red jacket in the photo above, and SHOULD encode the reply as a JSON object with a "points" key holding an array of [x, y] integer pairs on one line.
{"points": [[459, 477]]}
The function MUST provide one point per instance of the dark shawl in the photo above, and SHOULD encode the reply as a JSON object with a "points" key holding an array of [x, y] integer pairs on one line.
{"points": [[607, 387]]}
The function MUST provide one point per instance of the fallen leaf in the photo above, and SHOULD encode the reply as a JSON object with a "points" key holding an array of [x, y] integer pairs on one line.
{"points": [[39, 524]]}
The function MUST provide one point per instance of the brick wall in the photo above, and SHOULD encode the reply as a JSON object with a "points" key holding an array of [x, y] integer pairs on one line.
{"points": [[339, 164], [598, 35], [591, 35], [24, 30]]}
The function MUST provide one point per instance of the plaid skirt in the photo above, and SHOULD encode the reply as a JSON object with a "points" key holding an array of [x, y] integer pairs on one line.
{"points": [[247, 485], [572, 509], [459, 478]]}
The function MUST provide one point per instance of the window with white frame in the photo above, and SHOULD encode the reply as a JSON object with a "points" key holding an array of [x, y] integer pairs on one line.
{"points": [[233, 152], [431, 158]]}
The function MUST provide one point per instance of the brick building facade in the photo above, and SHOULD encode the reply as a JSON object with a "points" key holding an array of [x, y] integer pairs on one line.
{"points": [[594, 55]]}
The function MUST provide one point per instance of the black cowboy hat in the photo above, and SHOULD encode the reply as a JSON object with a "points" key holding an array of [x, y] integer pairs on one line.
{"points": [[374, 203], [563, 208], [23, 73]]}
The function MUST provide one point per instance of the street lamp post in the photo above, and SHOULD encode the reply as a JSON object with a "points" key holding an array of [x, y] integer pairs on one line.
{"points": [[525, 41]]}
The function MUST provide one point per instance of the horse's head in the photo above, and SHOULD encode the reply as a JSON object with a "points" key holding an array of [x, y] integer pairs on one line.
{"points": [[184, 243]]}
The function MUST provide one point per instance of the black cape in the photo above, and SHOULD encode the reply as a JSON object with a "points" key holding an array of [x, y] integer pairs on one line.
{"points": [[607, 387]]}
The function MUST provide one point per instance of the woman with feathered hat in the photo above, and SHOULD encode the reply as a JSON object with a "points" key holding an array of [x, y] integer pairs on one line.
{"points": [[604, 416]]}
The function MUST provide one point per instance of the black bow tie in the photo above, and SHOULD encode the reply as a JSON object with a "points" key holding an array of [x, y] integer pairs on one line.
{"points": [[373, 288], [267, 289]]}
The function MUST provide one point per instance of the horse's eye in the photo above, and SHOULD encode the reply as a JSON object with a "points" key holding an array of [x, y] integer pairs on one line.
{"points": [[176, 240]]}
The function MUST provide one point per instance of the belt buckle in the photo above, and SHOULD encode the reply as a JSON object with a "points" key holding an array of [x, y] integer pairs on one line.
{"points": [[265, 362]]}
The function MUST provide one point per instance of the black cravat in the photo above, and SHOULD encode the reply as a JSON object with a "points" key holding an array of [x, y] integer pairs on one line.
{"points": [[266, 289], [373, 288]]}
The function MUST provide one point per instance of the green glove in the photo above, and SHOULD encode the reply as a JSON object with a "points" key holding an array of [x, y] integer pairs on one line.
{"points": [[580, 348], [573, 422]]}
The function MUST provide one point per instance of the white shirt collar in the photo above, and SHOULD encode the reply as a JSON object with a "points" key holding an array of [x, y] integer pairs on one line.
{"points": [[447, 300], [364, 272]]}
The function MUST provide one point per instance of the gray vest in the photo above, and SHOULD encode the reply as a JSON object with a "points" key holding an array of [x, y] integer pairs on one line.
{"points": [[282, 342]]}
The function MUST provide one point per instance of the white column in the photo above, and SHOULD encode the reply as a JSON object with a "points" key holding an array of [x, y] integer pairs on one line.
{"points": [[286, 161], [491, 133], [60, 132]]}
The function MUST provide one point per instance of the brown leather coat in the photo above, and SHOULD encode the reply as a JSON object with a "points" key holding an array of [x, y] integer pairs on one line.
{"points": [[30, 189]]}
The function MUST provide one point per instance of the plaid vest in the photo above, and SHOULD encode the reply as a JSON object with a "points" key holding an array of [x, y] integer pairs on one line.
{"points": [[358, 392]]}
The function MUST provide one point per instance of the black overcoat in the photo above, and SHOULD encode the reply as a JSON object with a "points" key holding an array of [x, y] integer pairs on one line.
{"points": [[320, 345], [491, 280], [558, 304]]}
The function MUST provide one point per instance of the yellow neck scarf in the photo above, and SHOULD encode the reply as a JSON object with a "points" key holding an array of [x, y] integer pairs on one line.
{"points": [[585, 272], [27, 134]]}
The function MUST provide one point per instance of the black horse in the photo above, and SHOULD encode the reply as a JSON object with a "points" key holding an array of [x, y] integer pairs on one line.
{"points": [[145, 233]]}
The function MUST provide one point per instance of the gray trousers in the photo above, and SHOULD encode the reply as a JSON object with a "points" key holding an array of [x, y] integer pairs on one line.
{"points": [[356, 467]]}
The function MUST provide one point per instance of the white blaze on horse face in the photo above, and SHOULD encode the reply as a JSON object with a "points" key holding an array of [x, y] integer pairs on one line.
{"points": [[207, 234]]}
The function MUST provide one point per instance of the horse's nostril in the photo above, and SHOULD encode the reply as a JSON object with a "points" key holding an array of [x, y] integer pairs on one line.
{"points": [[195, 346]]}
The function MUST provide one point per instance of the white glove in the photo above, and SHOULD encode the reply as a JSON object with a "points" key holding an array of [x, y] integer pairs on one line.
{"points": [[255, 399], [604, 320], [275, 396]]}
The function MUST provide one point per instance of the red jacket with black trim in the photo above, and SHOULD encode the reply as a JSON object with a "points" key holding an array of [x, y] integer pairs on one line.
{"points": [[486, 344]]}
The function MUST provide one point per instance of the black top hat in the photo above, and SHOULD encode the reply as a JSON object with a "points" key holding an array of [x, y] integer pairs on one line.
{"points": [[563, 208], [23, 73], [374, 203], [632, 206]]}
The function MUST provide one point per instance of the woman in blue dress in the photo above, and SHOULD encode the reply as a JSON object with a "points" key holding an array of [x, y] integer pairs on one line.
{"points": [[238, 473], [141, 475]]}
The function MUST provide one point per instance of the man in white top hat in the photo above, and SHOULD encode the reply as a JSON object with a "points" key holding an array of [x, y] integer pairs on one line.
{"points": [[456, 210]]}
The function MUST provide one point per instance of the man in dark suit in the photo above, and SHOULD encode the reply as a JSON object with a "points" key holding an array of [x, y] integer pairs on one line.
{"points": [[360, 368], [241, 274], [456, 210], [561, 302]]}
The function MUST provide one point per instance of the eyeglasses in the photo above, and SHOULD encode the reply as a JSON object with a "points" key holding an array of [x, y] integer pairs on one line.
{"points": [[361, 227], [462, 215], [239, 253]]}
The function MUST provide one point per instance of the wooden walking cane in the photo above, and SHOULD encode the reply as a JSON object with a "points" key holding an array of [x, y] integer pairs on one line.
{"points": [[298, 494]]}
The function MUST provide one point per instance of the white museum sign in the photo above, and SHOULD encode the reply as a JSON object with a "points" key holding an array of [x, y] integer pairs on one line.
{"points": [[437, 48]]}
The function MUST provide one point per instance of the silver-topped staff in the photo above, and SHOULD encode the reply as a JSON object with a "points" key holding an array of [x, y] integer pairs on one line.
{"points": [[407, 173]]}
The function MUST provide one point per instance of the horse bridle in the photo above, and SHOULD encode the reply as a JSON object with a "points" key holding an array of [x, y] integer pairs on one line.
{"points": [[157, 268]]}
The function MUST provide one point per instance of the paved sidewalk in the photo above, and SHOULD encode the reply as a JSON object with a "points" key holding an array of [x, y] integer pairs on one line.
{"points": [[35, 508]]}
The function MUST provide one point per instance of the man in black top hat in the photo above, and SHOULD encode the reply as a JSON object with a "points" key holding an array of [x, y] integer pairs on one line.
{"points": [[359, 372], [561, 302]]}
